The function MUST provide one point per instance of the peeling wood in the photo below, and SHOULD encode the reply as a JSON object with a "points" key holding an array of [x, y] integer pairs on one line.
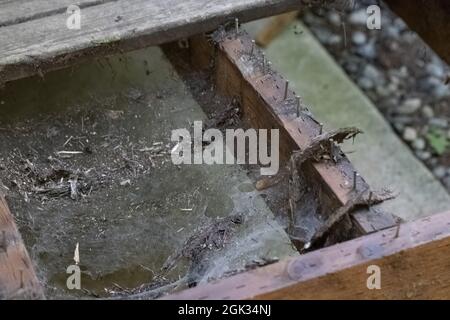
{"points": [[40, 45]]}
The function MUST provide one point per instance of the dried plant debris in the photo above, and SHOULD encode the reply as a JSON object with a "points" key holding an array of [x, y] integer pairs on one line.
{"points": [[365, 198], [323, 146], [228, 117], [82, 152], [312, 221], [212, 236]]}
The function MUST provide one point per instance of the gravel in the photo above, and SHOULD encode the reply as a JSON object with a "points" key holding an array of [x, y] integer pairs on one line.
{"points": [[403, 77], [410, 106]]}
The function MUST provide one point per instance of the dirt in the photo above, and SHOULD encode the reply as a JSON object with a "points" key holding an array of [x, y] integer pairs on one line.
{"points": [[86, 160]]}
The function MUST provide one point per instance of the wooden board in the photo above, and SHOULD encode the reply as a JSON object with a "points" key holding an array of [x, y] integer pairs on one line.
{"points": [[38, 45], [17, 277], [414, 262], [18, 11]]}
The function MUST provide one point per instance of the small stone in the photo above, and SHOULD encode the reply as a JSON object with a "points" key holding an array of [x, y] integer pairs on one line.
{"points": [[359, 38], [441, 91], [427, 112], [358, 17], [439, 123], [423, 155], [373, 74], [410, 134], [435, 70], [440, 172], [403, 119], [322, 34], [399, 127], [403, 72], [382, 91], [419, 144], [392, 31], [125, 182], [334, 39], [334, 18], [365, 83], [409, 106], [392, 87], [400, 24], [367, 51]]}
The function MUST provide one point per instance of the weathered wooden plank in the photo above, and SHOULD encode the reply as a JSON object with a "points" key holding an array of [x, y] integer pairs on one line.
{"points": [[17, 277], [37, 46], [430, 19], [413, 260], [18, 11]]}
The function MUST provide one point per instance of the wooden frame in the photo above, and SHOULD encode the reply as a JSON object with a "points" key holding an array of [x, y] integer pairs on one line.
{"points": [[412, 257], [413, 260], [36, 40]]}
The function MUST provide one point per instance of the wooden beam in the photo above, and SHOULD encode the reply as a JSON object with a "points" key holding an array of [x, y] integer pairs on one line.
{"points": [[17, 277], [19, 11], [40, 45], [430, 19], [413, 260], [239, 71]]}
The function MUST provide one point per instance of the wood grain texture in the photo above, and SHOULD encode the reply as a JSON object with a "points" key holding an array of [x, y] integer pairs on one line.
{"points": [[36, 46], [274, 27], [18, 11], [414, 261], [17, 277]]}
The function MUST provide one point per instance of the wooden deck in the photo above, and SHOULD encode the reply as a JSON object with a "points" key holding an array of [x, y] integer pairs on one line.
{"points": [[34, 37]]}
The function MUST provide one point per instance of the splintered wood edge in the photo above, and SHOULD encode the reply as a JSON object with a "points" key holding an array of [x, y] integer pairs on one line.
{"points": [[18, 279], [413, 260]]}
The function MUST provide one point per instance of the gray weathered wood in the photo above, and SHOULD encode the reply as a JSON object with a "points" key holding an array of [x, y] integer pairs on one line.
{"points": [[18, 11], [43, 44]]}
